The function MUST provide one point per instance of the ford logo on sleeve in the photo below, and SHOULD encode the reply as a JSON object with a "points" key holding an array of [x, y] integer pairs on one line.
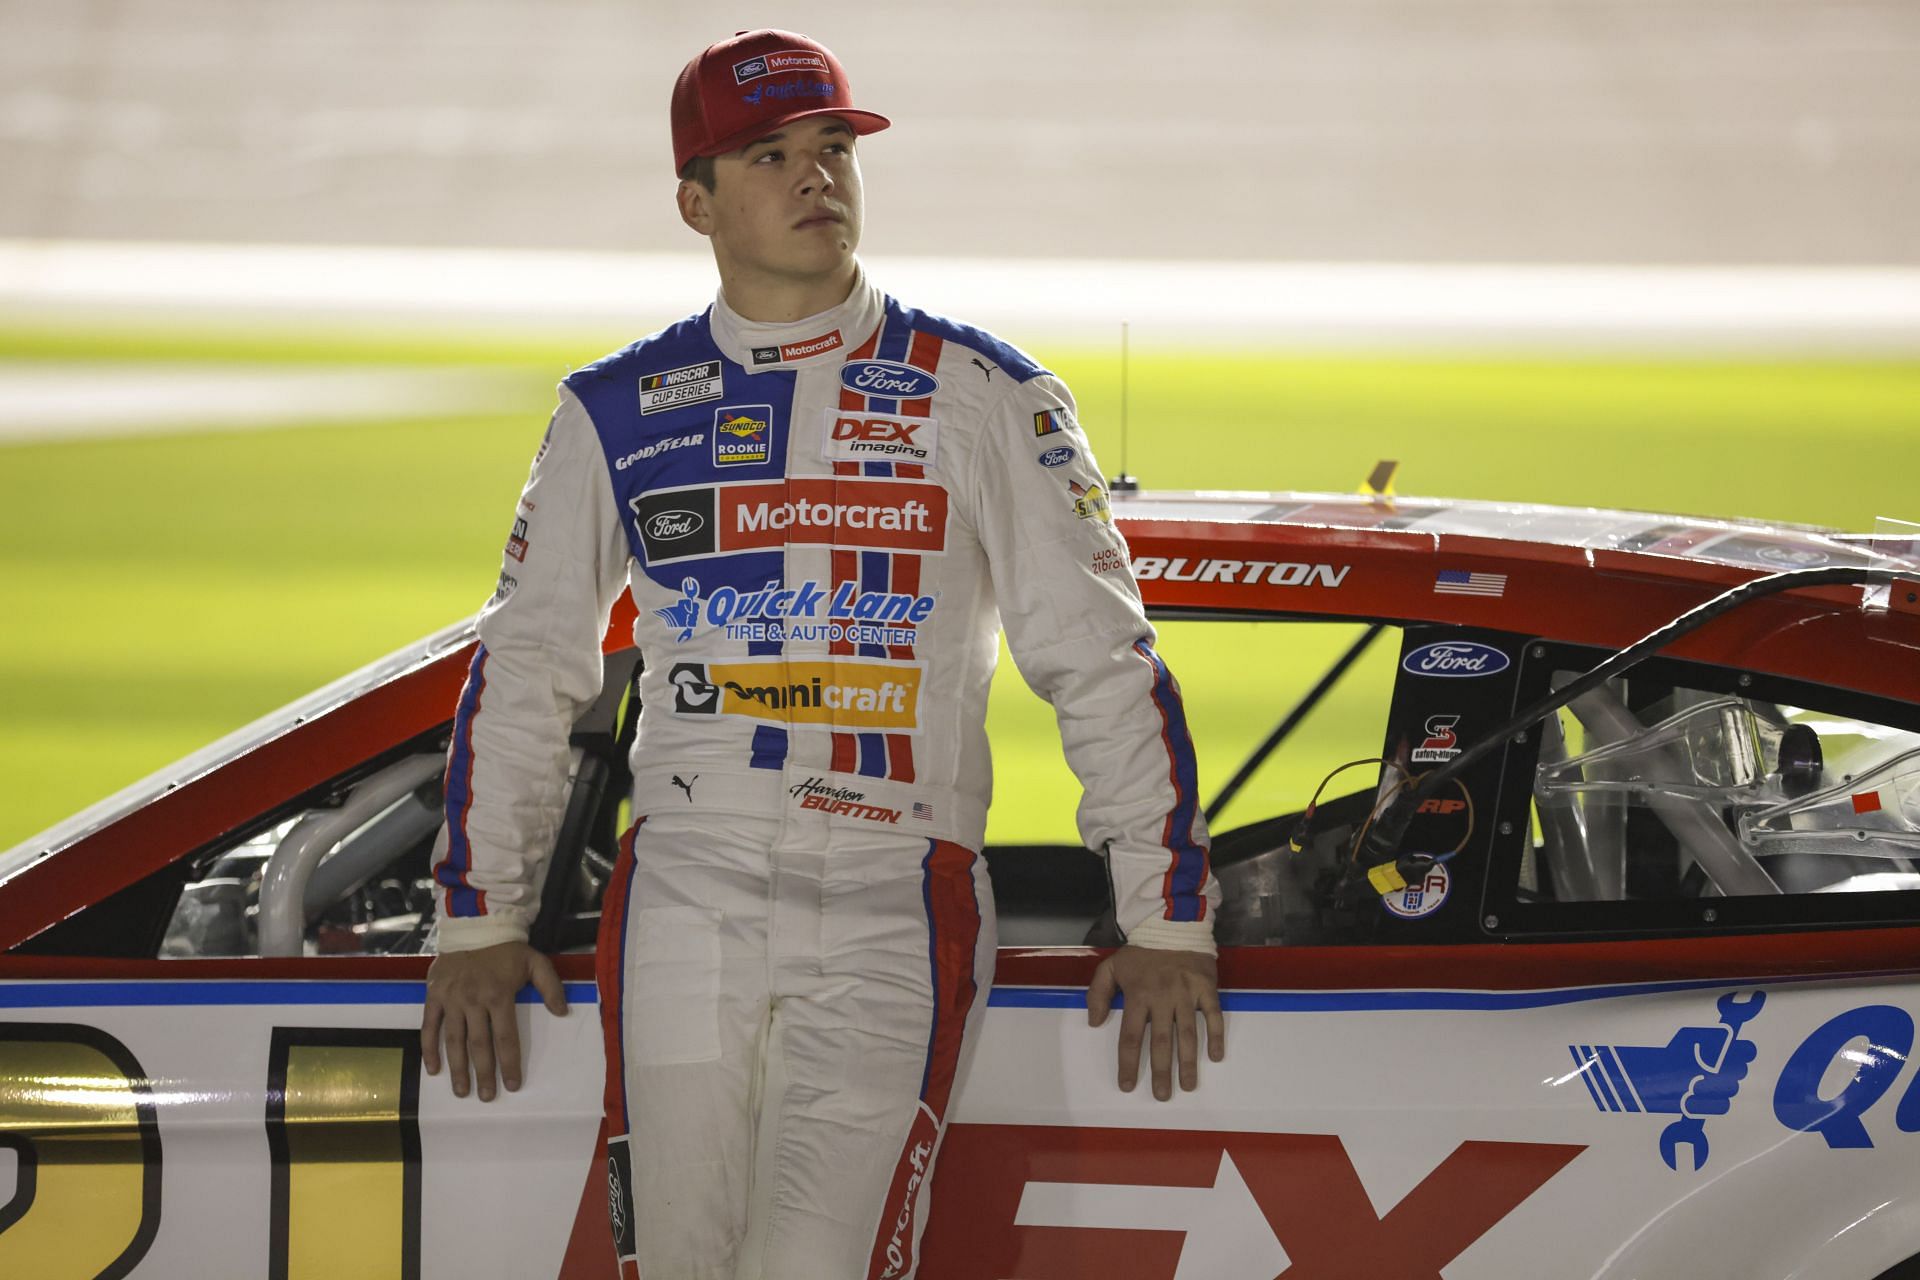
{"points": [[1456, 658], [1059, 457], [887, 378]]}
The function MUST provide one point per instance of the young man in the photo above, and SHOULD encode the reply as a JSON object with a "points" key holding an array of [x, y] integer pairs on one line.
{"points": [[824, 503]]}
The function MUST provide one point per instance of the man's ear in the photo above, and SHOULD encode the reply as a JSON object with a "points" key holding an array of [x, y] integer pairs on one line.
{"points": [[696, 206]]}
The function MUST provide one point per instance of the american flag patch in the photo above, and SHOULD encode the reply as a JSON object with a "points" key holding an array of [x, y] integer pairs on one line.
{"points": [[1048, 421], [923, 811], [1458, 582]]}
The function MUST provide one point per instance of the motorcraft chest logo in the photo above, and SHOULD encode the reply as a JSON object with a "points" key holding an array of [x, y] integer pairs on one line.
{"points": [[742, 435], [1455, 659], [772, 64], [828, 692], [888, 378], [872, 513], [806, 611], [829, 341], [872, 437], [690, 384]]}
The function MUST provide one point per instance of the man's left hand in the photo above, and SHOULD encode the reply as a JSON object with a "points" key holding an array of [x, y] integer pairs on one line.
{"points": [[1165, 992]]}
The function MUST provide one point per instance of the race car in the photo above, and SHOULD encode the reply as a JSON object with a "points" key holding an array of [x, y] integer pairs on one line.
{"points": [[1602, 966]]}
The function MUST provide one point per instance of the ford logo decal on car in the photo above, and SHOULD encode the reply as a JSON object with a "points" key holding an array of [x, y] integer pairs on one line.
{"points": [[1455, 658], [887, 378], [671, 525], [1059, 457]]}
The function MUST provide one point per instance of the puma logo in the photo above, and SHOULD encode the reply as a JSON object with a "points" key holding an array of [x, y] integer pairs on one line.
{"points": [[983, 368], [686, 786]]}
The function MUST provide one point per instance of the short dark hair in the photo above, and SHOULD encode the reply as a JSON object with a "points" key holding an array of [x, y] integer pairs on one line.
{"points": [[700, 170]]}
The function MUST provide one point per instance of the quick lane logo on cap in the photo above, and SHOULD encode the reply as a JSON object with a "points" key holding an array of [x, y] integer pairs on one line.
{"points": [[772, 64], [689, 384], [829, 341]]}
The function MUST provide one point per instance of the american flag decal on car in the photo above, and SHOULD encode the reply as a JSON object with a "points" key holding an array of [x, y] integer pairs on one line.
{"points": [[1458, 582]]}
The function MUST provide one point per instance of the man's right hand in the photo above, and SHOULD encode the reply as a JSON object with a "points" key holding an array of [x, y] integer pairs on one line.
{"points": [[470, 999]]}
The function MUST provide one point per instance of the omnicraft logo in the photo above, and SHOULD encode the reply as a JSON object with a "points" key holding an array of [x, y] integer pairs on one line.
{"points": [[873, 437], [870, 513], [827, 692]]}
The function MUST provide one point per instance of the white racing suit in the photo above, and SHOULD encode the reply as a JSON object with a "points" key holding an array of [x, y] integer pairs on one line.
{"points": [[823, 525]]}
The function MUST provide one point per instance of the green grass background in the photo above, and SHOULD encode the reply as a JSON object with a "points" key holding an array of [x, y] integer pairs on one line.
{"points": [[163, 590]]}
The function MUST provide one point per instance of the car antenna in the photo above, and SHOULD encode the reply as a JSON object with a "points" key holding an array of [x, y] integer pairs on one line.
{"points": [[1123, 483]]}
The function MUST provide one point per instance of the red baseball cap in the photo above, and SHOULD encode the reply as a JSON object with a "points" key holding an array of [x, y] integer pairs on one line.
{"points": [[750, 85]]}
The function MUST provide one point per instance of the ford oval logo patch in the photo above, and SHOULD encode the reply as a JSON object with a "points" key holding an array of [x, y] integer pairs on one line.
{"points": [[1455, 658], [887, 378], [670, 526], [1059, 457]]}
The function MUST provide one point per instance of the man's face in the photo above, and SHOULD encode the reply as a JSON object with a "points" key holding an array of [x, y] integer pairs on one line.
{"points": [[788, 204]]}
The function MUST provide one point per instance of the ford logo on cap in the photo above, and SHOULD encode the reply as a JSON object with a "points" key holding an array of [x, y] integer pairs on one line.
{"points": [[1059, 457], [888, 378], [1455, 658], [671, 525]]}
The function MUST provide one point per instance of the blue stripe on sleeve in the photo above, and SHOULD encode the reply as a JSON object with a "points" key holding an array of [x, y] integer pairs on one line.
{"points": [[1190, 860]]}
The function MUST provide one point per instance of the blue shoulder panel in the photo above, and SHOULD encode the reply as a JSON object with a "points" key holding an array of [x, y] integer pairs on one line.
{"points": [[1020, 366], [690, 335]]}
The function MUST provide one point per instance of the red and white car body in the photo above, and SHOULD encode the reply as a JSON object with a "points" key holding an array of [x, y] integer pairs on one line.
{"points": [[1563, 1055]]}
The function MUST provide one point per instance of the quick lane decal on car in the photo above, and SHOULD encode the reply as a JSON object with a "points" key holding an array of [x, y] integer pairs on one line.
{"points": [[1799, 1101], [1694, 1075], [1455, 659]]}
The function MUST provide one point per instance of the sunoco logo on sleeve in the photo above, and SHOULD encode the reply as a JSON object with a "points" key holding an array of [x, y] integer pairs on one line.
{"points": [[691, 384]]}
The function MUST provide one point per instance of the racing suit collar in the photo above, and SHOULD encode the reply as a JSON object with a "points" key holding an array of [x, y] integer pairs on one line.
{"points": [[830, 335]]}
